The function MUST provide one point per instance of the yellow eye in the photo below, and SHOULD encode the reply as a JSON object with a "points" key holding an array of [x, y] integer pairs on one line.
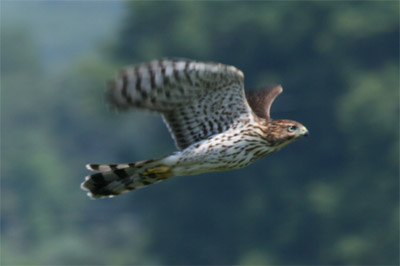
{"points": [[291, 128]]}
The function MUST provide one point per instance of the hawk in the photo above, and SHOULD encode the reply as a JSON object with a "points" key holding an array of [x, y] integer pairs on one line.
{"points": [[216, 127]]}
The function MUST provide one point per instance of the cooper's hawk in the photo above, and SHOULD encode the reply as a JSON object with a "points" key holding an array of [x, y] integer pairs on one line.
{"points": [[214, 125]]}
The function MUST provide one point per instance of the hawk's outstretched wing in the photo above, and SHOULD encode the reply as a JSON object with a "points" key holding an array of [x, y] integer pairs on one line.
{"points": [[196, 99]]}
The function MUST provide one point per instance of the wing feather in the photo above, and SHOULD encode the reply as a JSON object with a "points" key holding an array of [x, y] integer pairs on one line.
{"points": [[196, 99], [261, 101]]}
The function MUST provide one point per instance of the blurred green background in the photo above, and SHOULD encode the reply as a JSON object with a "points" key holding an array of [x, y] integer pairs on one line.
{"points": [[332, 198]]}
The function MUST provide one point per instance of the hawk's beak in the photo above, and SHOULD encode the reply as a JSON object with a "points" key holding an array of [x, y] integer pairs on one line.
{"points": [[304, 132]]}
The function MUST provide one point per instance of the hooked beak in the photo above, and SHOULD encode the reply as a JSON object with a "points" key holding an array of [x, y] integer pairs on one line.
{"points": [[304, 132]]}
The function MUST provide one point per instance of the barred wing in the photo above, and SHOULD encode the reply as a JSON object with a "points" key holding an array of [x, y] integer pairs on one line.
{"points": [[196, 99]]}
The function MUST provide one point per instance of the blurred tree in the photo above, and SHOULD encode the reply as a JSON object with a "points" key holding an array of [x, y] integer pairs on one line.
{"points": [[45, 216], [328, 199]]}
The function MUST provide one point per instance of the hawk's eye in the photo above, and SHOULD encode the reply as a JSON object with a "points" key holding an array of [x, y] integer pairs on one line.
{"points": [[291, 128]]}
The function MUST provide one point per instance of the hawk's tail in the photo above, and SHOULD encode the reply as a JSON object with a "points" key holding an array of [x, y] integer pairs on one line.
{"points": [[115, 179]]}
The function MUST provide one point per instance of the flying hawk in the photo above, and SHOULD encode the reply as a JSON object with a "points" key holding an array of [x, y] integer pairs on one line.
{"points": [[216, 127]]}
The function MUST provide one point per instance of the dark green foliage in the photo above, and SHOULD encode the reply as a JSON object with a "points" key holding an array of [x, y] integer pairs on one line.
{"points": [[329, 199]]}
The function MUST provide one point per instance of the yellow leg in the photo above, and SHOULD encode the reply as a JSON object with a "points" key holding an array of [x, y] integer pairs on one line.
{"points": [[161, 172]]}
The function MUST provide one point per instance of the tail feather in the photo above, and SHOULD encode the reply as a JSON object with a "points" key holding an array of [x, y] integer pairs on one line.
{"points": [[115, 179], [110, 167]]}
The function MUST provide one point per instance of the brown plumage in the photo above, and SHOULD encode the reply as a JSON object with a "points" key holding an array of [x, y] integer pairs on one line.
{"points": [[261, 101], [214, 125]]}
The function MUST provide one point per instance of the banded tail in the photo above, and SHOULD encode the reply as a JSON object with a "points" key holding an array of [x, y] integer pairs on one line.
{"points": [[115, 179]]}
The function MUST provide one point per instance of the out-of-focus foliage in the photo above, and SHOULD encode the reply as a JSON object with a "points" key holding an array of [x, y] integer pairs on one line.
{"points": [[328, 199]]}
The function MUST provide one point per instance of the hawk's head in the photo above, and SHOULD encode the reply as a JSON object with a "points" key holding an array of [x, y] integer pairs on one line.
{"points": [[282, 132], [277, 132]]}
